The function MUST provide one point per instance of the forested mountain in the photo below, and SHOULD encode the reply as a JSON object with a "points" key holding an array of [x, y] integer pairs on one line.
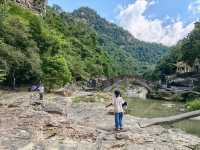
{"points": [[60, 47], [186, 50], [55, 48], [113, 38]]}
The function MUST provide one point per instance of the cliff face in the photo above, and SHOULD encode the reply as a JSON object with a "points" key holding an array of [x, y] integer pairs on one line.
{"points": [[36, 5]]}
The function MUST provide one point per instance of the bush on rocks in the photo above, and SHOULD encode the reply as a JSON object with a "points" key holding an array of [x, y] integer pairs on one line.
{"points": [[193, 105]]}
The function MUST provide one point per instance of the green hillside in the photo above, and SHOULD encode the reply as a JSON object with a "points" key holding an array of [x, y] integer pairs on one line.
{"points": [[55, 48], [186, 50], [60, 47], [114, 38]]}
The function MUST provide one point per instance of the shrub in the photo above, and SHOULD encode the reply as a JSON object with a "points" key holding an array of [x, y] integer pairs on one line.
{"points": [[56, 71], [193, 105]]}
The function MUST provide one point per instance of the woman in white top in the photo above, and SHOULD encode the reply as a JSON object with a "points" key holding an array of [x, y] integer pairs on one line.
{"points": [[41, 91], [117, 102]]}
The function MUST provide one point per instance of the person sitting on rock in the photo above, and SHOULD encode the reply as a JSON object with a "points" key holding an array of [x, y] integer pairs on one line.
{"points": [[118, 103]]}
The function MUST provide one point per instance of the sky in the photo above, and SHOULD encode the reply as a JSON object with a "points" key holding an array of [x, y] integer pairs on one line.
{"points": [[160, 21]]}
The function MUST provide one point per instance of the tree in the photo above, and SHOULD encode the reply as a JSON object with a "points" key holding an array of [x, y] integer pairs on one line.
{"points": [[56, 71], [3, 8], [186, 50], [13, 58]]}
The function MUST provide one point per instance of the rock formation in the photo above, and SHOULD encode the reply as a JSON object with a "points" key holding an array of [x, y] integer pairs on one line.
{"points": [[36, 5], [59, 123]]}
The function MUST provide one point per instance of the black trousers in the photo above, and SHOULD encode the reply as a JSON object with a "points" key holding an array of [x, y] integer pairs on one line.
{"points": [[41, 96]]}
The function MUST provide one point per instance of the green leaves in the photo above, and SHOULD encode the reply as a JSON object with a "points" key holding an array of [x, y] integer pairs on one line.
{"points": [[113, 39], [3, 9], [186, 50], [56, 71], [193, 105], [58, 48]]}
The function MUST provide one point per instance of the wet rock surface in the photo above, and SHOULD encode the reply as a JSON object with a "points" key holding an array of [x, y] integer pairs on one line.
{"points": [[83, 126]]}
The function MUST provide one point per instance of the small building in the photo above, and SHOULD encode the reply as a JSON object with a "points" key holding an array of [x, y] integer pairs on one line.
{"points": [[183, 67]]}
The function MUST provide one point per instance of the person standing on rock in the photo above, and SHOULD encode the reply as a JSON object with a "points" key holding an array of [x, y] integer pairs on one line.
{"points": [[118, 102], [41, 91]]}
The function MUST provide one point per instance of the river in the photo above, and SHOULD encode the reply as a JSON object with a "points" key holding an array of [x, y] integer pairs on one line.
{"points": [[158, 108]]}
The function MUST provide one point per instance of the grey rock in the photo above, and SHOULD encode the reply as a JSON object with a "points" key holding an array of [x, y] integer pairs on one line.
{"points": [[120, 136], [86, 127], [52, 108], [38, 6]]}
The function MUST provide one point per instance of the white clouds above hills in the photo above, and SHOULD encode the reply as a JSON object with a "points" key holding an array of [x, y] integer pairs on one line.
{"points": [[142, 27]]}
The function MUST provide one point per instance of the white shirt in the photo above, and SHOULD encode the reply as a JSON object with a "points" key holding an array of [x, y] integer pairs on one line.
{"points": [[41, 89], [117, 103]]}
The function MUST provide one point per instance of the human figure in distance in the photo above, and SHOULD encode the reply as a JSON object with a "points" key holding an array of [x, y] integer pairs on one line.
{"points": [[118, 103], [41, 91]]}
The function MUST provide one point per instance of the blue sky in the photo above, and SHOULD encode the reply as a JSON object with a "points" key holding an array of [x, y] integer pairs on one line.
{"points": [[172, 18]]}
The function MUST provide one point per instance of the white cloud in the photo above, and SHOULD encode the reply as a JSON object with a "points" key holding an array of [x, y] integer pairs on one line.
{"points": [[194, 7], [140, 26], [153, 2]]}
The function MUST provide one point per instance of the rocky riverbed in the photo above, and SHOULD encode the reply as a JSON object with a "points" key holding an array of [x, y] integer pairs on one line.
{"points": [[58, 123]]}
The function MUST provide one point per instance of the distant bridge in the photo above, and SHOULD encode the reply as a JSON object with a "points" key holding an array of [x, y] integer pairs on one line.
{"points": [[112, 82]]}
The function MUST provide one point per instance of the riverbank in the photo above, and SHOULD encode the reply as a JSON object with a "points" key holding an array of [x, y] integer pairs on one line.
{"points": [[159, 108], [66, 123]]}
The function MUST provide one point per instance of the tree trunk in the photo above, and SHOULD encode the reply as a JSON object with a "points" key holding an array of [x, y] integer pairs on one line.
{"points": [[171, 119], [13, 81]]}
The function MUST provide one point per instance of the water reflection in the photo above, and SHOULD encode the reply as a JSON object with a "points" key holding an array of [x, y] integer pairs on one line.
{"points": [[156, 108]]}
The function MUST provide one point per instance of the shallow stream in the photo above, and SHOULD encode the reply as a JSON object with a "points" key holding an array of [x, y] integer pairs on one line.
{"points": [[157, 108]]}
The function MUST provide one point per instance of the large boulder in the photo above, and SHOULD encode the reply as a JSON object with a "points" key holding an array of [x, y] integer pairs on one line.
{"points": [[137, 91], [53, 108]]}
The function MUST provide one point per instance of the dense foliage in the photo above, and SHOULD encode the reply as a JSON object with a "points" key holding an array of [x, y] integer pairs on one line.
{"points": [[60, 47], [120, 44], [56, 71], [186, 50], [193, 105], [56, 48]]}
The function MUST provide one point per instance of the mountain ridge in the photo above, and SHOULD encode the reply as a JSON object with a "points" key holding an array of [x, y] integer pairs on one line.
{"points": [[140, 50], [62, 45]]}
